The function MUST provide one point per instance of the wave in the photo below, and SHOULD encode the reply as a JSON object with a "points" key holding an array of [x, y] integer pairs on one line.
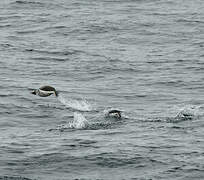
{"points": [[23, 2], [27, 2], [57, 53], [14, 178]]}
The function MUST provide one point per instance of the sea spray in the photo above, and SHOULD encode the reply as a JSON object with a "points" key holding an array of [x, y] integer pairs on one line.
{"points": [[82, 105]]}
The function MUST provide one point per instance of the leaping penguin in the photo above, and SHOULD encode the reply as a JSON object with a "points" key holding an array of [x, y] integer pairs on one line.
{"points": [[45, 91]]}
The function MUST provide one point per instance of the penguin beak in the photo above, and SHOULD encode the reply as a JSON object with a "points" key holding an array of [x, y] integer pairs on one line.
{"points": [[33, 92]]}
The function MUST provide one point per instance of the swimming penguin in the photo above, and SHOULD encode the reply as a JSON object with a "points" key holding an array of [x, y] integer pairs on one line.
{"points": [[114, 113], [45, 91]]}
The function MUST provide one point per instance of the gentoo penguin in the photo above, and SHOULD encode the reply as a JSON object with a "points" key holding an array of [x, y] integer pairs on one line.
{"points": [[114, 113], [45, 91]]}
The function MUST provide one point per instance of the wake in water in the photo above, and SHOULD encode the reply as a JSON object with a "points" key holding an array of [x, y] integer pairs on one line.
{"points": [[80, 122], [99, 121], [82, 105]]}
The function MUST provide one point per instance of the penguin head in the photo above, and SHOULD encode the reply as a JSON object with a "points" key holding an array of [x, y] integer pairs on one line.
{"points": [[34, 92], [114, 113]]}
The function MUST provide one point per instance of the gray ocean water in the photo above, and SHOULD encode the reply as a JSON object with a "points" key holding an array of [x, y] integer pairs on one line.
{"points": [[143, 57]]}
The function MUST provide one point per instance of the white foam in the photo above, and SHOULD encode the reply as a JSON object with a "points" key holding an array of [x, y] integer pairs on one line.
{"points": [[82, 105]]}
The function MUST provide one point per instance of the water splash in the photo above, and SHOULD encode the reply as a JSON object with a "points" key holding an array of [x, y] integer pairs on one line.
{"points": [[188, 112], [79, 122], [82, 105]]}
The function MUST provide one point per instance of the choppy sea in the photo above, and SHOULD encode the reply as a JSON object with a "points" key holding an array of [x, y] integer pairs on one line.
{"points": [[142, 57]]}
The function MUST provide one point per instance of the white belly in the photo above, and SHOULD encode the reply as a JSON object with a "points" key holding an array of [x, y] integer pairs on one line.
{"points": [[45, 93]]}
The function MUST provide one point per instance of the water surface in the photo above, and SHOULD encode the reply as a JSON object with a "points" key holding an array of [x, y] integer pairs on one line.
{"points": [[145, 58]]}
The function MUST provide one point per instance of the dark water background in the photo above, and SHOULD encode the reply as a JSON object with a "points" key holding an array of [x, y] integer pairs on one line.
{"points": [[144, 57]]}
